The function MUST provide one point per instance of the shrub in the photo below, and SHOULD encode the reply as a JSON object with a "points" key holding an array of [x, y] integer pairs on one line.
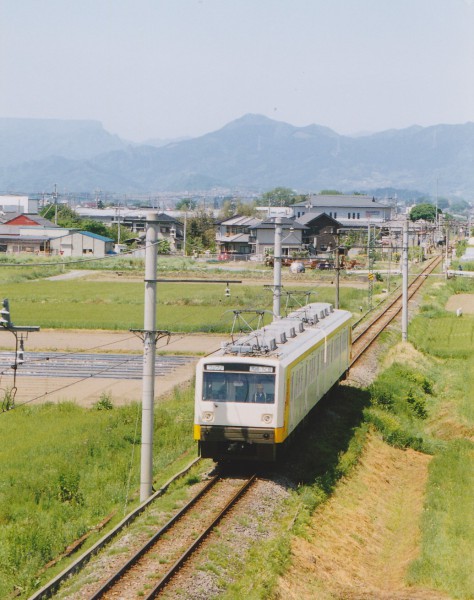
{"points": [[417, 404], [105, 402]]}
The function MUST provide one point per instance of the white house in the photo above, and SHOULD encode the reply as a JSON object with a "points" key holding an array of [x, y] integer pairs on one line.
{"points": [[349, 210]]}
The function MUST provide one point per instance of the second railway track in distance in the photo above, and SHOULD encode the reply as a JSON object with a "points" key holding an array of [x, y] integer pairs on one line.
{"points": [[155, 564], [377, 324]]}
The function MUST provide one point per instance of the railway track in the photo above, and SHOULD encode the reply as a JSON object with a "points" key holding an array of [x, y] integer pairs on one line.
{"points": [[366, 336], [145, 574]]}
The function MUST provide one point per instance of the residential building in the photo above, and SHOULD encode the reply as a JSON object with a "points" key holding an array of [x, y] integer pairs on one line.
{"points": [[354, 211], [262, 236], [233, 234], [320, 235]]}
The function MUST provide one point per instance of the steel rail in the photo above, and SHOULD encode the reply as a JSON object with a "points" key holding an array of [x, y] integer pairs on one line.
{"points": [[133, 561], [151, 542], [375, 327], [184, 557]]}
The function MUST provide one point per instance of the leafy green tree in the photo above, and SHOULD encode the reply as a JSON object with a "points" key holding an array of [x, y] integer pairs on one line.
{"points": [[282, 196], [69, 219], [331, 193], [125, 233], [66, 217], [95, 227], [164, 247], [186, 204], [424, 211], [201, 232], [230, 208]]}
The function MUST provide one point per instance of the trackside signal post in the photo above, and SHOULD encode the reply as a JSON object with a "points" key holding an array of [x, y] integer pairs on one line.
{"points": [[21, 334], [405, 282]]}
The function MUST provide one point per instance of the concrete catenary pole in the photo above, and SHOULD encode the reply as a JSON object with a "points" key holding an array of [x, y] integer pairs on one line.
{"points": [[277, 269], [405, 282], [149, 351], [338, 269]]}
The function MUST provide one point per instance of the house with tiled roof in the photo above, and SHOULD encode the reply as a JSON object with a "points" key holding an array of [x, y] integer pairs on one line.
{"points": [[320, 234], [28, 220], [232, 236], [262, 236]]}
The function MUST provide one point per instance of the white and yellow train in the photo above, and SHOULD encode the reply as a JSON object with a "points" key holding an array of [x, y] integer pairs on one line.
{"points": [[253, 394]]}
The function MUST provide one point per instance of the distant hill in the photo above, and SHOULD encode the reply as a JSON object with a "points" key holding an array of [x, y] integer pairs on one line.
{"points": [[23, 140], [251, 153]]}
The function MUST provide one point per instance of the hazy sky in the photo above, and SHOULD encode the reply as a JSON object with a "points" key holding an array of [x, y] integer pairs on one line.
{"points": [[171, 68]]}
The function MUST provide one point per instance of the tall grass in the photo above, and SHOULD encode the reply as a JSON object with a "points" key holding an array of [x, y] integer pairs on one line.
{"points": [[447, 558], [64, 468]]}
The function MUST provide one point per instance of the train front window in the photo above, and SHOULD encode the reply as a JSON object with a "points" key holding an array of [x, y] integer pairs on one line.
{"points": [[239, 387]]}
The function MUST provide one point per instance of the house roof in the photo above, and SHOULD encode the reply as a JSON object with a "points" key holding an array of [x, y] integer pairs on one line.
{"points": [[96, 236], [238, 237], [344, 201], [164, 218], [24, 238], [313, 216], [33, 217], [85, 233], [240, 221], [285, 222]]}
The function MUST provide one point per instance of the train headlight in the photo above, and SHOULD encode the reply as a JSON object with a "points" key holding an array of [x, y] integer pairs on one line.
{"points": [[267, 419], [207, 416]]}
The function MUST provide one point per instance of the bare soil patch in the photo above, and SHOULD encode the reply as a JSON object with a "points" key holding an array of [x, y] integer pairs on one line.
{"points": [[361, 542], [463, 301], [88, 391]]}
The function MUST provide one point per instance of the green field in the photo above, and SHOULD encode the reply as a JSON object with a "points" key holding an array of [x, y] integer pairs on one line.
{"points": [[196, 307]]}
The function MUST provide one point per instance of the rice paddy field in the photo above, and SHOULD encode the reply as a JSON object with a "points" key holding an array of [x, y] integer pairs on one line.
{"points": [[118, 305]]}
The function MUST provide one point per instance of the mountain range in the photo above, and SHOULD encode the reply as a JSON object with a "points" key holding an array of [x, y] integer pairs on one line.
{"points": [[253, 153]]}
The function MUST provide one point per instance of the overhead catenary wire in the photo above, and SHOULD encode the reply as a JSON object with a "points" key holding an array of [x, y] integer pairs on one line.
{"points": [[78, 352], [68, 385]]}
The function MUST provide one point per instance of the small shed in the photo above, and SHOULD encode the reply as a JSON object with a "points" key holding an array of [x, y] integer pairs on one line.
{"points": [[82, 243]]}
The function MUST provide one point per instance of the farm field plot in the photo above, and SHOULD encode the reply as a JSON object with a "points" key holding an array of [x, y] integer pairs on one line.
{"points": [[197, 307]]}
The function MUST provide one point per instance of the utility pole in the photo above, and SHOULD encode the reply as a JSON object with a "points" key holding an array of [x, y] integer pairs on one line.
{"points": [[446, 252], [338, 269], [277, 269], [184, 231], [55, 197], [370, 261], [150, 336], [405, 282]]}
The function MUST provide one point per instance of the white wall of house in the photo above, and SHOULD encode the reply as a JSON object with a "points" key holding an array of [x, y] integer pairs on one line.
{"points": [[78, 244]]}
